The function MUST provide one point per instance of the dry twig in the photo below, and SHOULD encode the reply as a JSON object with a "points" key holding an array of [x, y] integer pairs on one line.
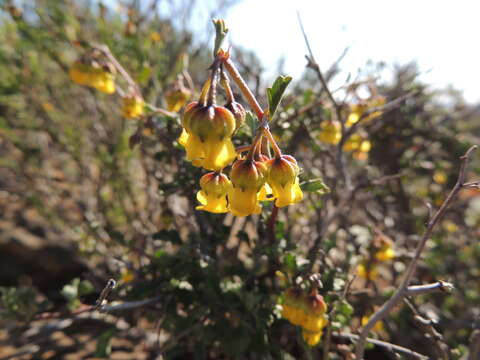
{"points": [[402, 290]]}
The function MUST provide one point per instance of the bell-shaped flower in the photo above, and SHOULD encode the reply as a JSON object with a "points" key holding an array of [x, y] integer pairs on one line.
{"points": [[248, 177], [93, 76], [132, 107], [209, 131], [176, 98], [330, 132], [213, 194], [283, 179], [103, 81]]}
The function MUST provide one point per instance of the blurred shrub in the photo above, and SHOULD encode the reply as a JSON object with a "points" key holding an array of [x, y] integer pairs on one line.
{"points": [[122, 191]]}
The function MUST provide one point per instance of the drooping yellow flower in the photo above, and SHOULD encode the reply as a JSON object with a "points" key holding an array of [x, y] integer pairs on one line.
{"points": [[177, 98], [93, 76], [378, 325], [265, 193], [209, 131], [440, 177], [385, 253], [79, 73], [330, 132], [359, 145], [133, 106], [358, 110], [102, 81], [248, 177], [312, 338], [183, 138], [213, 196], [283, 179], [307, 311], [367, 271]]}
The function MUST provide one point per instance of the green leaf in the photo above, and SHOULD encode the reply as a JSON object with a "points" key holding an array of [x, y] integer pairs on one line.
{"points": [[315, 186], [275, 93], [252, 123], [345, 308], [290, 261], [221, 31], [104, 343]]}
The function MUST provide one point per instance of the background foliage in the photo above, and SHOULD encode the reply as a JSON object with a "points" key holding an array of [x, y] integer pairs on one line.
{"points": [[86, 195]]}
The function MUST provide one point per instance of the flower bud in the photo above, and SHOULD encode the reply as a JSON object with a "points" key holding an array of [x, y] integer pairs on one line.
{"points": [[248, 174], [213, 195], [238, 112], [283, 179]]}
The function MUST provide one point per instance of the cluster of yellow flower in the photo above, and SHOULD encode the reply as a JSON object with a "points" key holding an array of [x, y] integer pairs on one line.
{"points": [[95, 71], [207, 138], [358, 143], [93, 74], [382, 250], [307, 311]]}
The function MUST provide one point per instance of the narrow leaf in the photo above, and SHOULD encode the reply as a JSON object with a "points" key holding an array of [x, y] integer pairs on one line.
{"points": [[275, 93]]}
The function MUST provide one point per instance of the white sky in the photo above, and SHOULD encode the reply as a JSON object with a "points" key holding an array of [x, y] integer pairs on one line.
{"points": [[440, 35]]}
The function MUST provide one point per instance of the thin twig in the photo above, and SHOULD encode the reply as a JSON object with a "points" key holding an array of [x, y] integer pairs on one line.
{"points": [[271, 225], [401, 291], [102, 299], [128, 305], [427, 326], [384, 344], [429, 288]]}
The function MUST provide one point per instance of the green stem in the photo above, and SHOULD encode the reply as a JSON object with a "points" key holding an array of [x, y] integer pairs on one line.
{"points": [[271, 139]]}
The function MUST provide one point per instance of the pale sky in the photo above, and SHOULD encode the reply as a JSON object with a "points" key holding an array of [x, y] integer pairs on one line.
{"points": [[440, 35]]}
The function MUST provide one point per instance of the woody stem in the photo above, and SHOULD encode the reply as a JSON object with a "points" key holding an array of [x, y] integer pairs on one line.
{"points": [[252, 101]]}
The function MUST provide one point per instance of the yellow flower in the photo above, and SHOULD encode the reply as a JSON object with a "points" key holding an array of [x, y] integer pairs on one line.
{"points": [[385, 253], [209, 131], [283, 179], [357, 110], [330, 132], [378, 326], [95, 77], [367, 271], [213, 195], [183, 138], [155, 36], [177, 98], [358, 145], [79, 73], [265, 193], [248, 177], [132, 107], [440, 177], [315, 323], [449, 226], [102, 81], [195, 150], [244, 202], [312, 338]]}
